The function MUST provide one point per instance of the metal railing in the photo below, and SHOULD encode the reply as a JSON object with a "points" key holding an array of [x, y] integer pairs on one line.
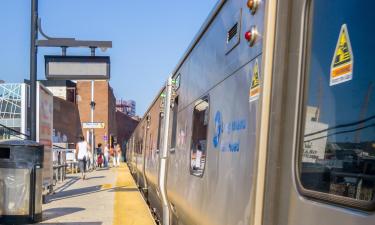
{"points": [[7, 133]]}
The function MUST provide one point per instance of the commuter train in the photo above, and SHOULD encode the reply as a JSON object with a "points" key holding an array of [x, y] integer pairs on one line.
{"points": [[268, 119]]}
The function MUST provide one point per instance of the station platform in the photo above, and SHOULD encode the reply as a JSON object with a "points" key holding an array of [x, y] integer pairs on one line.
{"points": [[106, 197]]}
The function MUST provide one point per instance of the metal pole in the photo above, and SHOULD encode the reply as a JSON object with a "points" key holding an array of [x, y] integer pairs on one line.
{"points": [[92, 113], [33, 67], [92, 100], [63, 51]]}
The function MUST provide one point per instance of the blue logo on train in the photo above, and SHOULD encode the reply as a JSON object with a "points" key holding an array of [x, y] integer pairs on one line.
{"points": [[218, 129]]}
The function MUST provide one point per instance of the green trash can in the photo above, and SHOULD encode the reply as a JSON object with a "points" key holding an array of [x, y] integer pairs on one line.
{"points": [[21, 165]]}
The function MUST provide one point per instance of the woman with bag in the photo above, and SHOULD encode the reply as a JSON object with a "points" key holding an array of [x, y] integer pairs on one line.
{"points": [[82, 149]]}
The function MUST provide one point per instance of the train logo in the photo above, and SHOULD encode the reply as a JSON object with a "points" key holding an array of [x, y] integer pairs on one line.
{"points": [[218, 129], [226, 134]]}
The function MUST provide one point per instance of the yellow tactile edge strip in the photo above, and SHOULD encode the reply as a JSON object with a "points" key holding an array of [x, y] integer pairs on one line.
{"points": [[129, 206]]}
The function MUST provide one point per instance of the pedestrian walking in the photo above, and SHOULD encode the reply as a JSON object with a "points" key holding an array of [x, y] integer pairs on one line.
{"points": [[82, 149], [106, 155], [118, 153], [100, 156]]}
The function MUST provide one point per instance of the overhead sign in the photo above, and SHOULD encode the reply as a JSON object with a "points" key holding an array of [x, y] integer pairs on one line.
{"points": [[342, 62], [77, 67], [93, 125]]}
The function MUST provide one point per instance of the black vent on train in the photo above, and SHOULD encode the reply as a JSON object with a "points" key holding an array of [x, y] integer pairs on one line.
{"points": [[232, 32]]}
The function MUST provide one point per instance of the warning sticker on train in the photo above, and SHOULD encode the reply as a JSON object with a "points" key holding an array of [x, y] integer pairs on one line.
{"points": [[255, 84], [343, 60]]}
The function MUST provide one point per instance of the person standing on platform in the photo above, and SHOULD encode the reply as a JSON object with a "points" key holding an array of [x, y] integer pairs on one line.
{"points": [[118, 154], [106, 155], [114, 155], [82, 149], [99, 153]]}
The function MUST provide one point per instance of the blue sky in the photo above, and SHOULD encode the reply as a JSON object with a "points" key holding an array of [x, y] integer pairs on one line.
{"points": [[149, 37]]}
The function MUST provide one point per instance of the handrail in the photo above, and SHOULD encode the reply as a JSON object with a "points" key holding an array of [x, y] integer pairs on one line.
{"points": [[15, 131]]}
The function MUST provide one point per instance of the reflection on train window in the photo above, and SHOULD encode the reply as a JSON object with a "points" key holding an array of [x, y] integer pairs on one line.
{"points": [[139, 148], [174, 122], [159, 131], [337, 151], [199, 137]]}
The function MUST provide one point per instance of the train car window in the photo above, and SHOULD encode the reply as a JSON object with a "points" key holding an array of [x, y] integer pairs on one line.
{"points": [[199, 137], [177, 82], [174, 122], [337, 144], [159, 131]]}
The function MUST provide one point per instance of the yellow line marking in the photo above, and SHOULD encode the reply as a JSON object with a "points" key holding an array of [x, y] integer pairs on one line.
{"points": [[106, 186], [129, 206]]}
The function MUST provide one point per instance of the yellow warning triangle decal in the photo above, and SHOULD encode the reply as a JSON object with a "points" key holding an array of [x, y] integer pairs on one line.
{"points": [[255, 79], [343, 53], [343, 59]]}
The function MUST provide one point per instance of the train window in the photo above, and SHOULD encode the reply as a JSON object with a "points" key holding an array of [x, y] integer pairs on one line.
{"points": [[177, 82], [337, 147], [199, 137], [159, 131], [174, 122]]}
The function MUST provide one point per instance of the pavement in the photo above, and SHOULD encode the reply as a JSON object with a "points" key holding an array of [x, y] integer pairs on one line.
{"points": [[106, 197]]}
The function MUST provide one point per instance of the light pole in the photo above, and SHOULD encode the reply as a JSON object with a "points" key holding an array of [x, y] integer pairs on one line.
{"points": [[63, 43], [92, 104], [33, 67]]}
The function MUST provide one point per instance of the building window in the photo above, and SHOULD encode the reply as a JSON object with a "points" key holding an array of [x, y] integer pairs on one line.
{"points": [[199, 137], [174, 122], [337, 144]]}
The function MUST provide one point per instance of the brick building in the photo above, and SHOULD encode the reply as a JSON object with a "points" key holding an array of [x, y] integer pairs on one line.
{"points": [[72, 108], [104, 109], [125, 126], [66, 121]]}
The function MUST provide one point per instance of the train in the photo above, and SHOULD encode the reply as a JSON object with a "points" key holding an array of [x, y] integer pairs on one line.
{"points": [[268, 118]]}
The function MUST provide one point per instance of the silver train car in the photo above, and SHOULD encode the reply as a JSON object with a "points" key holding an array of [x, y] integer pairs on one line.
{"points": [[268, 119]]}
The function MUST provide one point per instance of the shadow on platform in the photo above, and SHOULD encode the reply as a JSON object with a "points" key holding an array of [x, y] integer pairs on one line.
{"points": [[69, 181], [123, 189], [97, 177], [101, 169], [86, 191], [53, 213]]}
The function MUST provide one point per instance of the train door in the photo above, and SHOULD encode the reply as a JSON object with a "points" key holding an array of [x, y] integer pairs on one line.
{"points": [[145, 145], [321, 146]]}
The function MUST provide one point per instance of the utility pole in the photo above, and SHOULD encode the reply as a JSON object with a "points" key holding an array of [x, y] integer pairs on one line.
{"points": [[33, 67]]}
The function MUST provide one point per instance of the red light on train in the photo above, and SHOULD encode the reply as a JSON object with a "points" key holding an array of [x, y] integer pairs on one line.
{"points": [[251, 35], [248, 35]]}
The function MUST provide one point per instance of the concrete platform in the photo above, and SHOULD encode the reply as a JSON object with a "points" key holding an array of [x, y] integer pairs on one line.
{"points": [[106, 197]]}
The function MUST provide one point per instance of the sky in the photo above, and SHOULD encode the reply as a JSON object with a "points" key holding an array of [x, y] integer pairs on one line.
{"points": [[149, 38]]}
